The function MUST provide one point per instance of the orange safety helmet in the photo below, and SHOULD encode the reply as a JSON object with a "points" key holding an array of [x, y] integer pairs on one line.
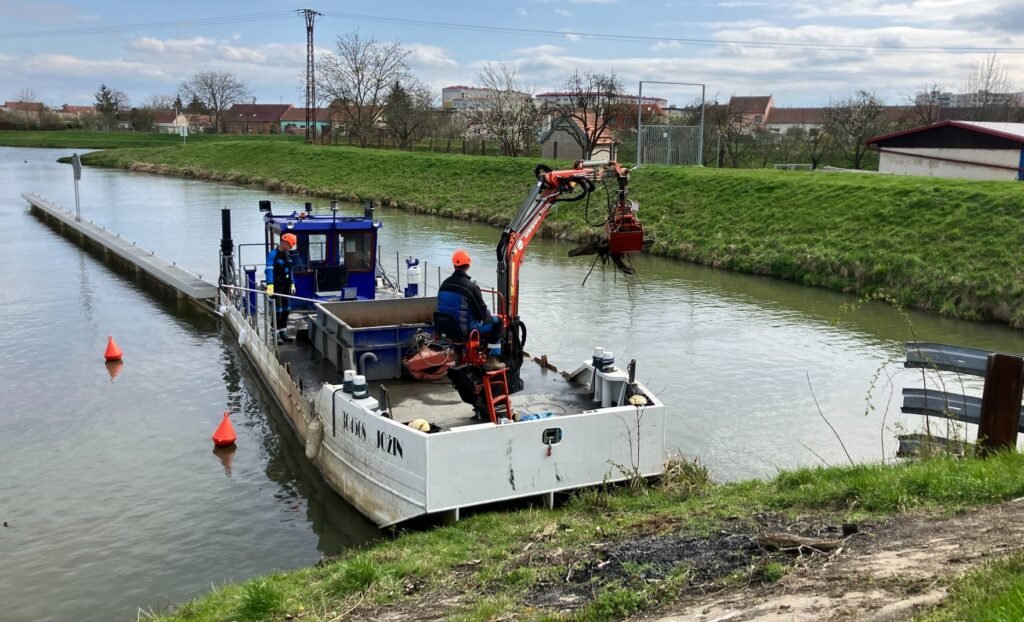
{"points": [[460, 258], [291, 239]]}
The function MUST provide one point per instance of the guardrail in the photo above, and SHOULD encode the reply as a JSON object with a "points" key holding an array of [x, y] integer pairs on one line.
{"points": [[997, 413]]}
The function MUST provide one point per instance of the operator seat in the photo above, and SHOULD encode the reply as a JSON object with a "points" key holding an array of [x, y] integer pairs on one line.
{"points": [[448, 327]]}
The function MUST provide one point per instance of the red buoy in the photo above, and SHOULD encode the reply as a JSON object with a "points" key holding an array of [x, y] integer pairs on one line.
{"points": [[113, 352], [225, 435]]}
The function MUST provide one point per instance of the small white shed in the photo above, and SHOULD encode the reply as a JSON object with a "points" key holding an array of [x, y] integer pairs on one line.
{"points": [[964, 149]]}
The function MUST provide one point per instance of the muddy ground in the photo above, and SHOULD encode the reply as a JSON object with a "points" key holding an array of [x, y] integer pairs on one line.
{"points": [[872, 571]]}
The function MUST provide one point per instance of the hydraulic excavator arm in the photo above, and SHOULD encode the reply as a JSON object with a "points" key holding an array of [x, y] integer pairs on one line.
{"points": [[623, 235]]}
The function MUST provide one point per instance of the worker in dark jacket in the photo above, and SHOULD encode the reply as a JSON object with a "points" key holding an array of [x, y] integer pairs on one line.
{"points": [[279, 279], [460, 297]]}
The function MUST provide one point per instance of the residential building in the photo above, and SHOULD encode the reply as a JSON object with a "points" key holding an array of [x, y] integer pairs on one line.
{"points": [[750, 112], [558, 142], [294, 121], [469, 97], [255, 118], [964, 149], [565, 98], [169, 122], [781, 120]]}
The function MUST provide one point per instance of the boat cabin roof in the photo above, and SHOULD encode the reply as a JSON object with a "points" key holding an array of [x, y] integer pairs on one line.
{"points": [[300, 222]]}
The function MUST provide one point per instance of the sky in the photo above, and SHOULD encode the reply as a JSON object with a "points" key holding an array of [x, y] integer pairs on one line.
{"points": [[802, 52]]}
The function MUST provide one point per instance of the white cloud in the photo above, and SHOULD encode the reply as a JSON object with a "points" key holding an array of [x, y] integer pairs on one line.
{"points": [[572, 37], [667, 45], [521, 11], [932, 11], [429, 57], [195, 45], [236, 54], [563, 13], [540, 50]]}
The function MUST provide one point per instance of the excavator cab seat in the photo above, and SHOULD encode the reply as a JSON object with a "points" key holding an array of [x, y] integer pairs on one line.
{"points": [[448, 327]]}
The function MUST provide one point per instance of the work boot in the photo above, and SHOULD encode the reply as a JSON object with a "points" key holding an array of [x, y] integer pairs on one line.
{"points": [[493, 363], [282, 337]]}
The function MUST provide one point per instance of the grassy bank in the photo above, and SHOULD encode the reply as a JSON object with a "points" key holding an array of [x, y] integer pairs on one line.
{"points": [[85, 139], [948, 246], [604, 555]]}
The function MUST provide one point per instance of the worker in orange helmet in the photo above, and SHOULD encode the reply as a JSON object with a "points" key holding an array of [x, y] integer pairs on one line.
{"points": [[460, 297], [279, 279]]}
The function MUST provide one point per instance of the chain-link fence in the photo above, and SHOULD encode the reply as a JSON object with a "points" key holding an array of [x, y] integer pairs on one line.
{"points": [[670, 145]]}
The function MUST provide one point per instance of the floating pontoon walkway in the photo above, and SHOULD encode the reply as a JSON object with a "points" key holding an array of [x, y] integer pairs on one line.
{"points": [[180, 281]]}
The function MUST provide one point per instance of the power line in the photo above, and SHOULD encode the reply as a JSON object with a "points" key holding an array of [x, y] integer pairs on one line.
{"points": [[679, 40], [279, 15], [184, 23]]}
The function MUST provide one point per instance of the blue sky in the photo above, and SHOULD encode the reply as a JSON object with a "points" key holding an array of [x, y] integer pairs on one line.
{"points": [[803, 52]]}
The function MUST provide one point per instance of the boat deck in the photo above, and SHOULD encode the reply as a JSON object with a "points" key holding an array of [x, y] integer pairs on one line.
{"points": [[438, 402]]}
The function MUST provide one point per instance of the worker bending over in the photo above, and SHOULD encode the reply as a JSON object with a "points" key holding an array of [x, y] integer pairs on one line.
{"points": [[460, 297], [279, 279]]}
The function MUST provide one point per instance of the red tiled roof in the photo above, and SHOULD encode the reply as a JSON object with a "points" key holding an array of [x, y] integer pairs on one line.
{"points": [[299, 114], [256, 113], [797, 115], [77, 109], [749, 105], [25, 106], [164, 116]]}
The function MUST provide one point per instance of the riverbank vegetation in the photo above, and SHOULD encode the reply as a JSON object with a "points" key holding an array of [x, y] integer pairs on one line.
{"points": [[610, 553], [954, 247], [87, 139]]}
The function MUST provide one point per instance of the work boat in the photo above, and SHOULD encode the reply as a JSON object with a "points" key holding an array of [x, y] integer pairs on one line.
{"points": [[395, 404]]}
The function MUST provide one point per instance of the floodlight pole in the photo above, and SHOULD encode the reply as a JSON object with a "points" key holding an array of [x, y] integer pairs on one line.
{"points": [[639, 116]]}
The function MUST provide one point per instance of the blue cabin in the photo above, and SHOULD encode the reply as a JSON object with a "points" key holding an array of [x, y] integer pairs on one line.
{"points": [[336, 255]]}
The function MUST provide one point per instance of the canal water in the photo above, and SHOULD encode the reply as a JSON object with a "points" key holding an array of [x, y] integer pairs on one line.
{"points": [[112, 496]]}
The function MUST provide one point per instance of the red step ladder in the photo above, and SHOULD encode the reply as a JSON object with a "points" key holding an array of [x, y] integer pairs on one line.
{"points": [[496, 394]]}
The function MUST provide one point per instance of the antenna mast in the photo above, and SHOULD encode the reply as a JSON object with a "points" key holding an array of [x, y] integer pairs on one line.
{"points": [[310, 16]]}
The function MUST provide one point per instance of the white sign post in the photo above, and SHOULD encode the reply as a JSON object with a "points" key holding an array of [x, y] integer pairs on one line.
{"points": [[76, 164], [184, 134]]}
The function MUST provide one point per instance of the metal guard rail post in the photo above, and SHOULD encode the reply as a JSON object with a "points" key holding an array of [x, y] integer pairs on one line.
{"points": [[997, 413]]}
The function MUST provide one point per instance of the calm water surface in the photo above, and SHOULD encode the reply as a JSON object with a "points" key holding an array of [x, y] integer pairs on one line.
{"points": [[115, 500]]}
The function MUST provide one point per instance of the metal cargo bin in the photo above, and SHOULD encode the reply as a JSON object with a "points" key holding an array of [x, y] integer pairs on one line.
{"points": [[345, 331]]}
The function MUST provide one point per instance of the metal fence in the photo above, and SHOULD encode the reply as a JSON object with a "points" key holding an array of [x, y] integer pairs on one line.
{"points": [[998, 412], [670, 145]]}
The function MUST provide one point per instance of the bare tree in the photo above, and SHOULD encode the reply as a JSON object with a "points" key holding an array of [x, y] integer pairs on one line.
{"points": [[817, 144], [506, 112], [164, 102], [217, 91], [357, 78], [924, 105], [407, 112], [992, 94], [852, 121], [594, 100], [732, 134], [25, 95]]}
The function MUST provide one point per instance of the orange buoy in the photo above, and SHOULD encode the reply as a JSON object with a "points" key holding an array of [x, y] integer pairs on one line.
{"points": [[225, 435], [113, 352]]}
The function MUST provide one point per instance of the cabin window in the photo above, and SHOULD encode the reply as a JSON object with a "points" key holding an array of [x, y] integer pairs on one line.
{"points": [[358, 251], [317, 247]]}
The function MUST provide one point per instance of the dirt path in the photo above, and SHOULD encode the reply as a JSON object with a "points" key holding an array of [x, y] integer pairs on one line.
{"points": [[887, 571]]}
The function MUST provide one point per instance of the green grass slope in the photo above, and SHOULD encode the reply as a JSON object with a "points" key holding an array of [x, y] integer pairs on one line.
{"points": [[86, 139], [949, 246]]}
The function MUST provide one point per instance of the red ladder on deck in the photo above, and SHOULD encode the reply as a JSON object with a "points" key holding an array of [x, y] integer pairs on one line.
{"points": [[496, 394]]}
